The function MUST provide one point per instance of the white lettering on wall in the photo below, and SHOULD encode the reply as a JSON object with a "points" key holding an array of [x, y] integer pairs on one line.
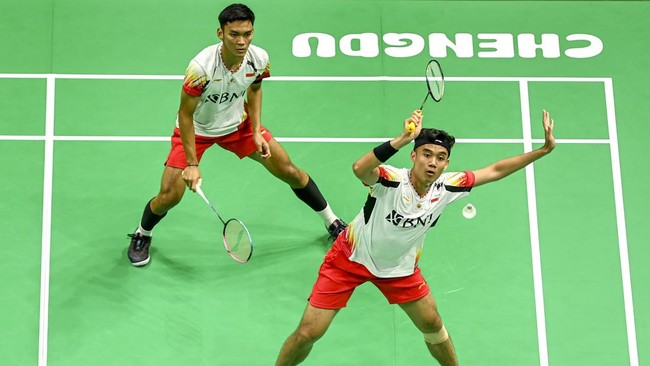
{"points": [[403, 44], [462, 45], [550, 45], [368, 45], [594, 48], [440, 45]]}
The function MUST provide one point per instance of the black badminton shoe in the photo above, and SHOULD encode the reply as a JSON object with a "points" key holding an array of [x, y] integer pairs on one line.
{"points": [[139, 249], [336, 228]]}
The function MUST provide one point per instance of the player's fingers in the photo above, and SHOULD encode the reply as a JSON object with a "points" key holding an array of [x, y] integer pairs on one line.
{"points": [[265, 150]]}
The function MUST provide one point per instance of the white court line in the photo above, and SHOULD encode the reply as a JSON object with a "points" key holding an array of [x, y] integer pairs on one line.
{"points": [[301, 78], [534, 229], [620, 222], [47, 223], [296, 139]]}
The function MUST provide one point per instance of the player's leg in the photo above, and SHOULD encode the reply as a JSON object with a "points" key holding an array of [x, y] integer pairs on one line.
{"points": [[281, 166], [424, 314], [337, 279], [312, 327], [171, 192], [172, 188]]}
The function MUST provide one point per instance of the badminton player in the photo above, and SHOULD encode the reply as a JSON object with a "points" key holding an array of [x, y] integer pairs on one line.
{"points": [[384, 241], [221, 103]]}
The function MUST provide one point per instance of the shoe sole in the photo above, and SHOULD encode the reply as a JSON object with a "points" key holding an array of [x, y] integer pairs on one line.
{"points": [[141, 263]]}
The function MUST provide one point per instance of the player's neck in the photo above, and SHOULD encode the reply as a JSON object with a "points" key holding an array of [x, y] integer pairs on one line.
{"points": [[231, 62], [421, 188]]}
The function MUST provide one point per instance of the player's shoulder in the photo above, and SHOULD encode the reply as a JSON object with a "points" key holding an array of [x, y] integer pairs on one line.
{"points": [[392, 174], [206, 55], [258, 54], [457, 179]]}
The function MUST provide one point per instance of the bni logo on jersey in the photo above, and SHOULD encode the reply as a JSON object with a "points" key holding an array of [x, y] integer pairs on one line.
{"points": [[399, 220], [224, 97], [440, 45]]}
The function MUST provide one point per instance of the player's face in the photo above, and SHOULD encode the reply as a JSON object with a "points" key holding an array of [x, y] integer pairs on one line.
{"points": [[236, 37], [429, 162]]}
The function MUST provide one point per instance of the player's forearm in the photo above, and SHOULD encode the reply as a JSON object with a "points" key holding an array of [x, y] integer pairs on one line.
{"points": [[508, 166], [366, 167], [186, 127], [400, 141], [505, 167], [255, 108]]}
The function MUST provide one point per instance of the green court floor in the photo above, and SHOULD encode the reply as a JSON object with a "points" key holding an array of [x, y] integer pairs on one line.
{"points": [[552, 270]]}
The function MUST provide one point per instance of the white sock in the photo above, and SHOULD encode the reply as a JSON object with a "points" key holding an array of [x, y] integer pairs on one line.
{"points": [[327, 215], [143, 231]]}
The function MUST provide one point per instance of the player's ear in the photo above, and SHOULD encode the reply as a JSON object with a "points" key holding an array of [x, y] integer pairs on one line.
{"points": [[220, 33], [413, 156]]}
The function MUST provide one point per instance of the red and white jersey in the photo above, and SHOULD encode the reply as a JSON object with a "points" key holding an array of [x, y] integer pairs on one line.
{"points": [[387, 236], [222, 92]]}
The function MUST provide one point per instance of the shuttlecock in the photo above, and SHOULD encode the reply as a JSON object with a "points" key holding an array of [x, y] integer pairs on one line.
{"points": [[469, 211]]}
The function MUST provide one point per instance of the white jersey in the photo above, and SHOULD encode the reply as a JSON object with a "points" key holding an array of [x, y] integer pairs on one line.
{"points": [[387, 236], [222, 92]]}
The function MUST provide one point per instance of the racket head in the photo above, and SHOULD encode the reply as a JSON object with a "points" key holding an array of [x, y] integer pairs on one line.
{"points": [[237, 240], [435, 80]]}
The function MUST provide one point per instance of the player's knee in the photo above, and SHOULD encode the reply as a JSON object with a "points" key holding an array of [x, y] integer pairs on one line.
{"points": [[292, 175], [290, 171], [306, 334], [436, 337], [169, 197]]}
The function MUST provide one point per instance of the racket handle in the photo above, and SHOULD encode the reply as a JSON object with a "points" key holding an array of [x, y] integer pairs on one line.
{"points": [[200, 192], [410, 127]]}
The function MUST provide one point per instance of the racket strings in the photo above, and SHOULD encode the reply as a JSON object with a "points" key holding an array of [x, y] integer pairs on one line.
{"points": [[237, 240], [435, 81]]}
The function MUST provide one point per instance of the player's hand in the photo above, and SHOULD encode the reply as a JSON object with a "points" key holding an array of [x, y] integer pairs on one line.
{"points": [[191, 175], [549, 140], [262, 146], [413, 124]]}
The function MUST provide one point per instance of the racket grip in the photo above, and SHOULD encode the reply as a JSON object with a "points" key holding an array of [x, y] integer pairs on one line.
{"points": [[410, 127]]}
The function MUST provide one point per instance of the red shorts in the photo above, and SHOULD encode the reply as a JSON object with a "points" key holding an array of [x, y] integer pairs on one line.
{"points": [[239, 142], [338, 277]]}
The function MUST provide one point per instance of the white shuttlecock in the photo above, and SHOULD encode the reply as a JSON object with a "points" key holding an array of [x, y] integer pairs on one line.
{"points": [[469, 211]]}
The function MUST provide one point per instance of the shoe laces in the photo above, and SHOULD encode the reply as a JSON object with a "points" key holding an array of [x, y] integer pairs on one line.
{"points": [[338, 227], [140, 241]]}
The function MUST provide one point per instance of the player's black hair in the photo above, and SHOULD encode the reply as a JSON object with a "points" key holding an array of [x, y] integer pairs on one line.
{"points": [[436, 137], [235, 12]]}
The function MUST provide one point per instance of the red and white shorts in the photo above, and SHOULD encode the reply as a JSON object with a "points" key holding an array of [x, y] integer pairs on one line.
{"points": [[338, 277], [239, 142]]}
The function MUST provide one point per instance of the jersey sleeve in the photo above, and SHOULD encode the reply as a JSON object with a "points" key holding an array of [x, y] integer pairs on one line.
{"points": [[389, 177], [460, 181], [265, 73], [195, 79], [457, 185], [263, 65]]}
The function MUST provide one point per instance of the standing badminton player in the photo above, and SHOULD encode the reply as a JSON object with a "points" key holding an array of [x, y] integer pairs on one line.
{"points": [[384, 241], [221, 103]]}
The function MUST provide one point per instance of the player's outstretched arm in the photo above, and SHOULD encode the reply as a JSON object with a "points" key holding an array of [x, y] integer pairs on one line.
{"points": [[191, 174], [367, 167], [254, 99], [505, 167]]}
